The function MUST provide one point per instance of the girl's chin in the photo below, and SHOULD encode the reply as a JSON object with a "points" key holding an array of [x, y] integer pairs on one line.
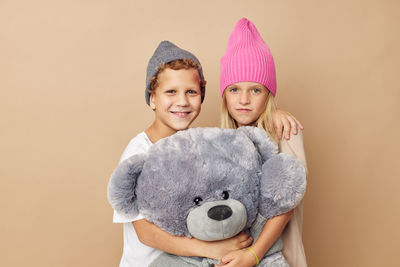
{"points": [[246, 123]]}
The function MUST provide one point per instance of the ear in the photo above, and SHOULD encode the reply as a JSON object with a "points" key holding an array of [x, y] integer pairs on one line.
{"points": [[266, 147], [122, 184], [152, 100], [282, 185]]}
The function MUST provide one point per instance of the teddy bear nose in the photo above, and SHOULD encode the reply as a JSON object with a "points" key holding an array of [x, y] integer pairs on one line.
{"points": [[219, 213]]}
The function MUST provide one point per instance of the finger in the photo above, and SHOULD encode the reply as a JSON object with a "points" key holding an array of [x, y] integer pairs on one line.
{"points": [[298, 123], [226, 259], [288, 114], [243, 237], [293, 124], [278, 129], [286, 128], [246, 243]]}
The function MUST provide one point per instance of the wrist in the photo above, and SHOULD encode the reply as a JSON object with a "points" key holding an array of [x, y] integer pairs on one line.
{"points": [[254, 256], [206, 249]]}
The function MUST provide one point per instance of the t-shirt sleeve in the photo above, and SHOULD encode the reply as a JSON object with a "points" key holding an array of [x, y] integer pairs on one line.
{"points": [[295, 147], [122, 218], [136, 146]]}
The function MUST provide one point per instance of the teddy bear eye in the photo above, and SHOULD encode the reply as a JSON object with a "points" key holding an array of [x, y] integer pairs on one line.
{"points": [[225, 194], [197, 200]]}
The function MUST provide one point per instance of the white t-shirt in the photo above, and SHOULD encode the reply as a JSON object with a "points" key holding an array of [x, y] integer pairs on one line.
{"points": [[135, 253]]}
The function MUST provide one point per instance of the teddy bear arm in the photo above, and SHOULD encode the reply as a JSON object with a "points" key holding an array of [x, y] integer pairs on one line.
{"points": [[121, 187], [282, 185]]}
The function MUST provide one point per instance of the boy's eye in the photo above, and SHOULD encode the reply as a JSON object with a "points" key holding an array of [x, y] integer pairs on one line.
{"points": [[192, 92], [170, 91]]}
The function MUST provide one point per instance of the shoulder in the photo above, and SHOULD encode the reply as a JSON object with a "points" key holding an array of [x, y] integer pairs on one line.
{"points": [[294, 146], [139, 144], [295, 140]]}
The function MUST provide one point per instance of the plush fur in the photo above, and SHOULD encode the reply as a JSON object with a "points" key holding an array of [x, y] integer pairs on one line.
{"points": [[209, 183]]}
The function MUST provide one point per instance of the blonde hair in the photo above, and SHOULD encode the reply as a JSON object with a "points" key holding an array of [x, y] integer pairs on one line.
{"points": [[264, 121]]}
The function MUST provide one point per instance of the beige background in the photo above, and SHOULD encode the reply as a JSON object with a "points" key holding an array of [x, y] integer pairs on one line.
{"points": [[72, 77]]}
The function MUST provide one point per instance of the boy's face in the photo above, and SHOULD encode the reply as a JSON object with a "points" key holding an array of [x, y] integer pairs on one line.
{"points": [[177, 99]]}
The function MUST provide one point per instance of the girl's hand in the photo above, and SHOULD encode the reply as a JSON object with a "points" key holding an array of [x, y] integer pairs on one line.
{"points": [[284, 122], [239, 258], [218, 249]]}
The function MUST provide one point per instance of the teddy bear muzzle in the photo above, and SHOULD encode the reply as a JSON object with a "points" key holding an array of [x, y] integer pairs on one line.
{"points": [[217, 220]]}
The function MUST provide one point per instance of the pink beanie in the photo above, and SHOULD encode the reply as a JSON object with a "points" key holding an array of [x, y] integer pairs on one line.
{"points": [[247, 58]]}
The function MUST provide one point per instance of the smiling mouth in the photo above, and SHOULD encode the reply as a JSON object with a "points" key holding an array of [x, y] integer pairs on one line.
{"points": [[181, 114]]}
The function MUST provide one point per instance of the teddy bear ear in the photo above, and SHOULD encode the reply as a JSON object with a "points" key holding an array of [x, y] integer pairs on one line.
{"points": [[282, 185], [122, 184], [266, 147]]}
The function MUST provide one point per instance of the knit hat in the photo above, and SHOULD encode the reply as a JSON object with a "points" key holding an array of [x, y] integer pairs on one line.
{"points": [[247, 58], [165, 53]]}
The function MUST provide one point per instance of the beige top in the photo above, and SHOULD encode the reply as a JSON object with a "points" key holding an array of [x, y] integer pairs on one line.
{"points": [[292, 235]]}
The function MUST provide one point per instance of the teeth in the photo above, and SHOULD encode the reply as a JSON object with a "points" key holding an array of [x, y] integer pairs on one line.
{"points": [[181, 114]]}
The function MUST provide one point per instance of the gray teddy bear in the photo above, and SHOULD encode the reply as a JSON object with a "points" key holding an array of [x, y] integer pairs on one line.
{"points": [[211, 184]]}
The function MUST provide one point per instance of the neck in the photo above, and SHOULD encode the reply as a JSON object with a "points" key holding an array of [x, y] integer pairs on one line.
{"points": [[156, 131], [251, 124]]}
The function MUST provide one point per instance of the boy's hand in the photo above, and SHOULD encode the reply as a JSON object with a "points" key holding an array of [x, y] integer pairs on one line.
{"points": [[284, 122], [238, 258], [218, 249]]}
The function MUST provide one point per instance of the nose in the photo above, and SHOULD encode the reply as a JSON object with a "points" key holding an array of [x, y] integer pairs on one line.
{"points": [[244, 98], [182, 100], [219, 213]]}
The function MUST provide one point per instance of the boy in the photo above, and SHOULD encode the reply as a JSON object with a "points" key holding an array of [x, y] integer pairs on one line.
{"points": [[175, 89]]}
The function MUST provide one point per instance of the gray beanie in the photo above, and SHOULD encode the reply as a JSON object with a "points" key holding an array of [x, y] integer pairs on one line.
{"points": [[167, 52]]}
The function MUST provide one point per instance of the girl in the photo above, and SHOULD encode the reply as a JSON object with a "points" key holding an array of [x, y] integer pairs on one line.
{"points": [[248, 88]]}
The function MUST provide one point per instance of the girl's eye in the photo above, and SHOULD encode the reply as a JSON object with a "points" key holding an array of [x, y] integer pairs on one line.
{"points": [[225, 195], [197, 200], [233, 90], [256, 90]]}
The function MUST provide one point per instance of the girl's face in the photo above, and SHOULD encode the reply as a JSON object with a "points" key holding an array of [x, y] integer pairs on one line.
{"points": [[246, 101]]}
